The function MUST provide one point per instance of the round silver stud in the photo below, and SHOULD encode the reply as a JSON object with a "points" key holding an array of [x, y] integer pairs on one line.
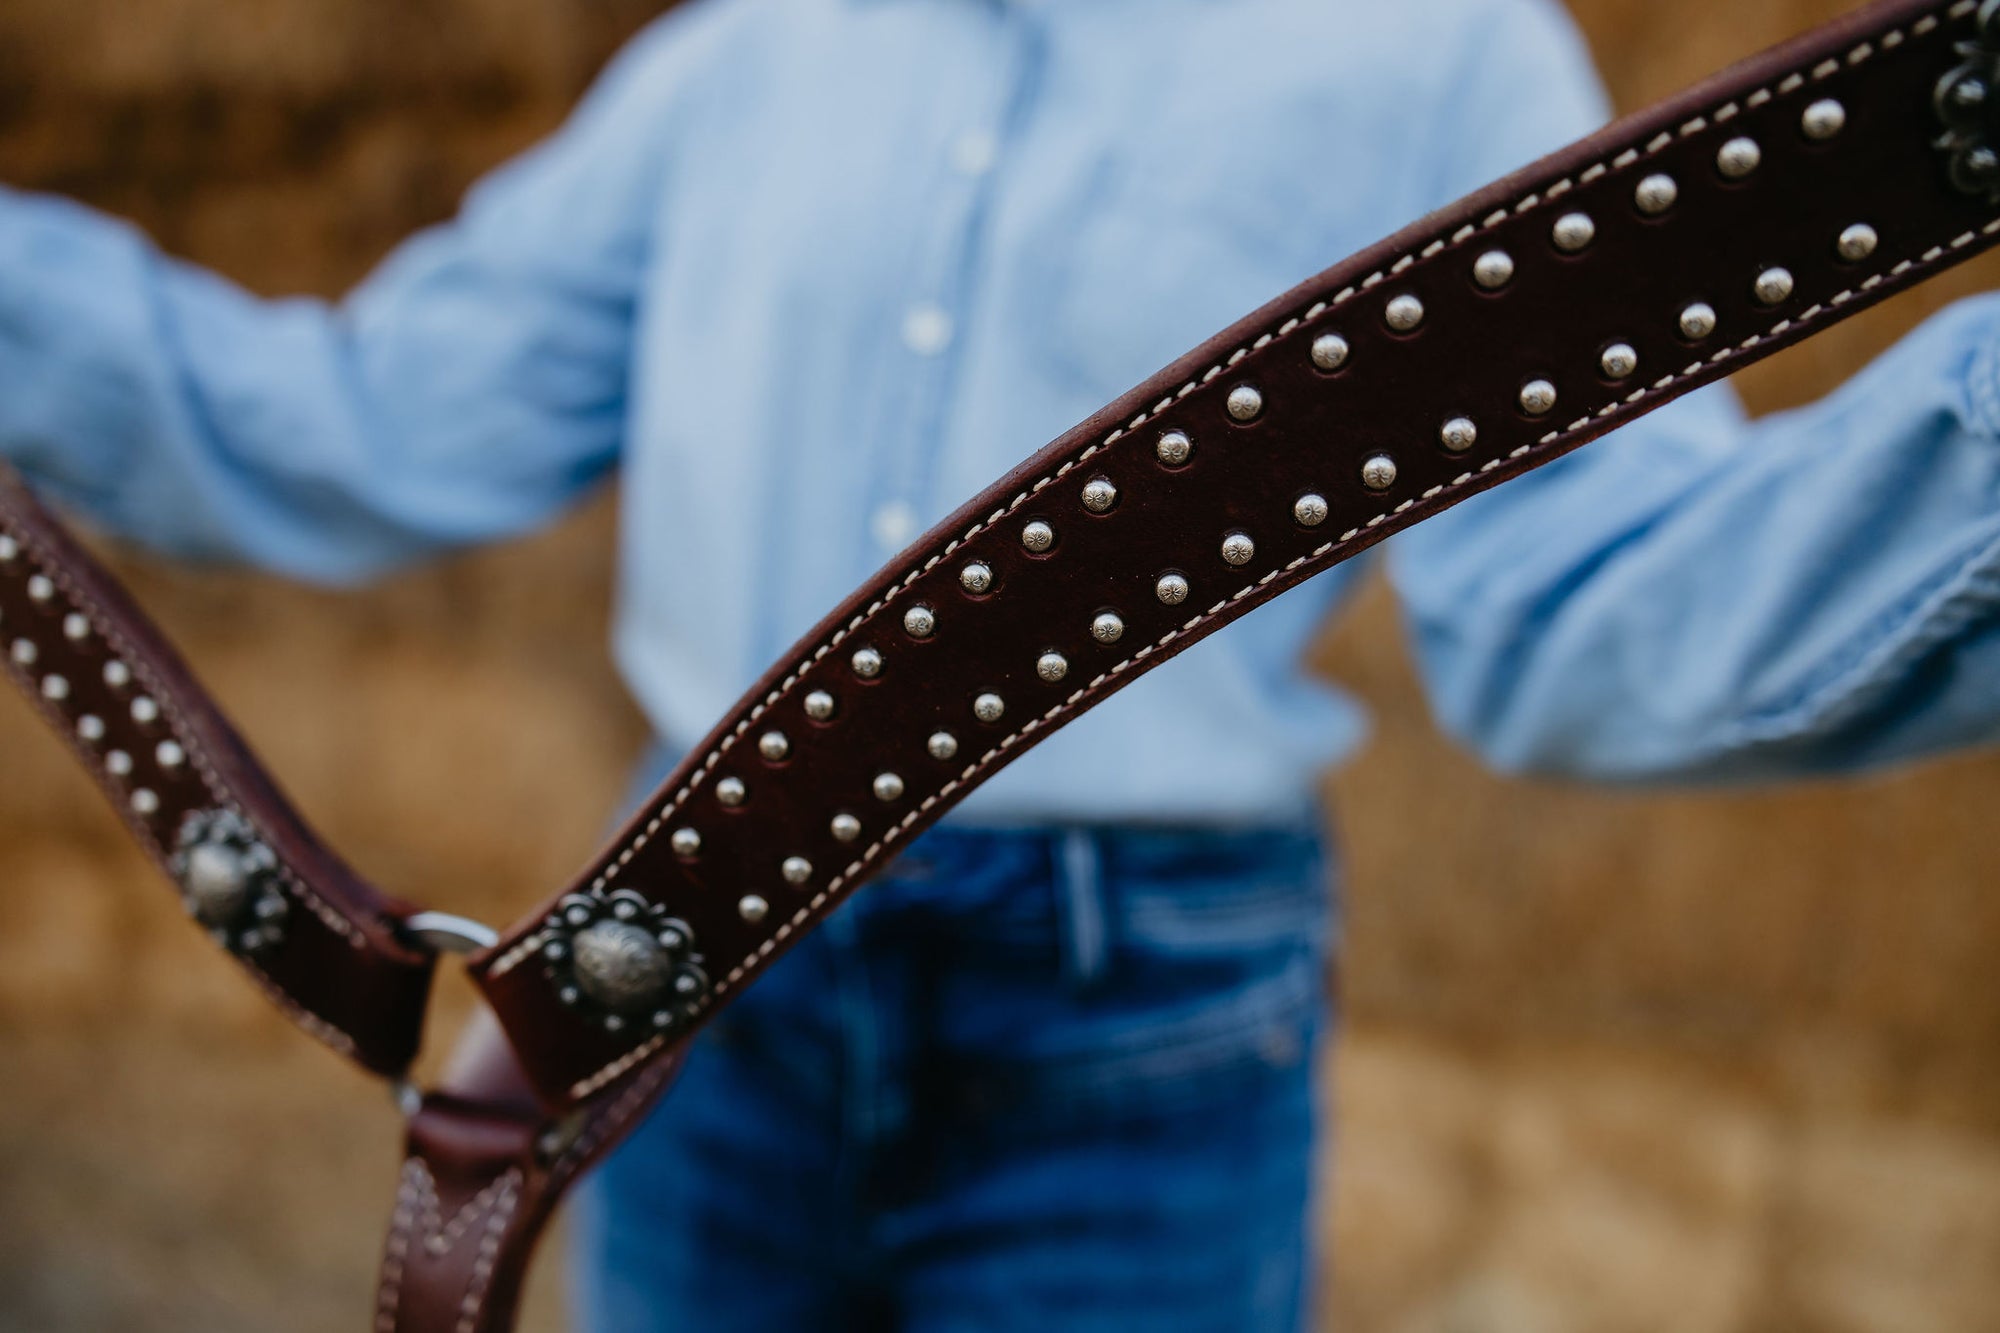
{"points": [[989, 707], [1857, 243], [1403, 313], [1823, 119], [1245, 403], [1458, 434], [1174, 448], [1329, 351], [169, 755], [975, 577], [41, 588], [1573, 232], [919, 622], [1310, 510], [1052, 667], [1238, 549], [118, 764], [90, 727], [117, 675], [1619, 360], [1656, 194], [1379, 473], [731, 792], [144, 711], [55, 689], [845, 828], [10, 550], [774, 745], [1697, 321], [796, 870], [1107, 627], [145, 802], [1493, 270], [867, 663], [1099, 495], [1171, 589], [942, 745], [686, 842], [1538, 397], [752, 908], [24, 652], [888, 787], [76, 627], [1738, 158], [819, 705], [1773, 286], [1038, 536]]}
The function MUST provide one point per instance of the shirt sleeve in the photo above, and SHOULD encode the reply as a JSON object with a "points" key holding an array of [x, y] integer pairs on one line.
{"points": [[1701, 597], [471, 387]]}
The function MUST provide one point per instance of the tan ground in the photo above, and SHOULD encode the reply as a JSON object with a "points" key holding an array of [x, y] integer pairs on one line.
{"points": [[1669, 1063]]}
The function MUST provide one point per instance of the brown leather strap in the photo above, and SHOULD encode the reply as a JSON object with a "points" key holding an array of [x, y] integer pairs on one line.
{"points": [[1656, 256], [316, 938]]}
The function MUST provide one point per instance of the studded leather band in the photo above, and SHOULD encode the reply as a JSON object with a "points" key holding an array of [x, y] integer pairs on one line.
{"points": [[1661, 254]]}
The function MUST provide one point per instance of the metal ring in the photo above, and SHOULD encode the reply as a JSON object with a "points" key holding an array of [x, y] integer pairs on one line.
{"points": [[442, 932]]}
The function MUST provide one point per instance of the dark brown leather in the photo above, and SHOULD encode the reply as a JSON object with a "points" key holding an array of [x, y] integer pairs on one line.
{"points": [[1471, 356]]}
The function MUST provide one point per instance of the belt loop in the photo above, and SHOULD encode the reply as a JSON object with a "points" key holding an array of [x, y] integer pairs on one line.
{"points": [[1080, 907]]}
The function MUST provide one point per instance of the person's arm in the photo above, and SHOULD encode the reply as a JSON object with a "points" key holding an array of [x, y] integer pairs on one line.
{"points": [[475, 384], [1702, 597]]}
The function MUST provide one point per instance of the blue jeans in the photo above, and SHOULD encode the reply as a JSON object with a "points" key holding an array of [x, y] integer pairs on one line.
{"points": [[1053, 1080]]}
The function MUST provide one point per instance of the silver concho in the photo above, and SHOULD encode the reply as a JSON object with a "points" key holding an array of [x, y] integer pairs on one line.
{"points": [[618, 958], [229, 880]]}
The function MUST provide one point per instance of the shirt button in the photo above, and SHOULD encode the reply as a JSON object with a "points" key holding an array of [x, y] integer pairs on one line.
{"points": [[973, 153], [893, 525], [926, 329]]}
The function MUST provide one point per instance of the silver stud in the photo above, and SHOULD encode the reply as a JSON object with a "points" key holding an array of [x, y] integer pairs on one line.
{"points": [[919, 622], [819, 705], [1238, 549], [55, 689], [975, 577], [1171, 589], [1099, 495], [989, 707], [1245, 403], [76, 627], [942, 745], [145, 802], [1738, 158], [845, 828], [1458, 434], [90, 727], [1698, 321], [731, 792], [1656, 194], [1823, 119], [867, 663], [1573, 232], [10, 550], [118, 764], [1379, 473], [1857, 243], [41, 588], [774, 745], [169, 754], [1107, 627], [1773, 286], [1619, 360], [24, 652], [1329, 351], [796, 870], [1052, 667], [117, 675], [1174, 448], [1538, 397], [888, 787], [1310, 510], [686, 842], [752, 908], [144, 711], [1403, 313], [1038, 536], [1493, 270]]}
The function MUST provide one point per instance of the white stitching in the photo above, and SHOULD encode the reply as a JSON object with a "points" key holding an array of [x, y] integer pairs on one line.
{"points": [[419, 1212]]}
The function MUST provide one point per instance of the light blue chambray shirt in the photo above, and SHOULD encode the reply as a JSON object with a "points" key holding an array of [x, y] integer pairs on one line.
{"points": [[813, 271]]}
